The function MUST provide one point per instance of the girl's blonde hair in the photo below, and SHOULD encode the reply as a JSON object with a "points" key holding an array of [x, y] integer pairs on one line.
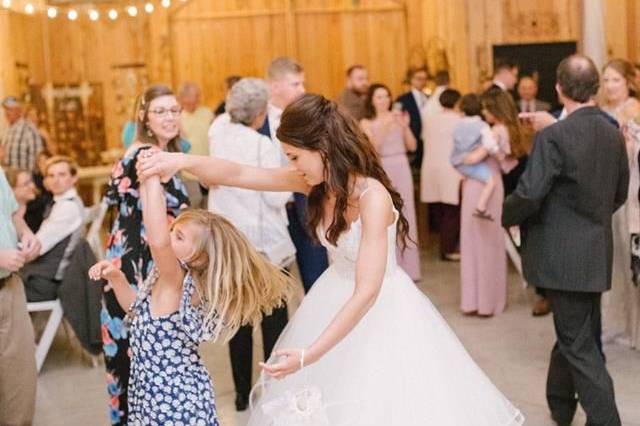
{"points": [[236, 284]]}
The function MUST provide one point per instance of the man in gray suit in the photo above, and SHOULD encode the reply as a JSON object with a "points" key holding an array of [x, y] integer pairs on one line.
{"points": [[528, 92], [576, 178]]}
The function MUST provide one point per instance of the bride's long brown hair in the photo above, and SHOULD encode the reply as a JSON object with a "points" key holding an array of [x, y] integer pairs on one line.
{"points": [[317, 124]]}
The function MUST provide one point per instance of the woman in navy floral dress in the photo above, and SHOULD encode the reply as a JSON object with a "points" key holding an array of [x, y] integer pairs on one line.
{"points": [[127, 246]]}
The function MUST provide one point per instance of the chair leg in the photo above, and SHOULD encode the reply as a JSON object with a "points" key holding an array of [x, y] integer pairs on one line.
{"points": [[49, 333]]}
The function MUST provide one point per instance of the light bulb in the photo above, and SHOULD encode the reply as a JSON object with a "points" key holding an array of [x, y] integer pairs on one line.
{"points": [[52, 12], [148, 7], [166, 3], [94, 15], [6, 4], [72, 15], [29, 9], [113, 14], [132, 11]]}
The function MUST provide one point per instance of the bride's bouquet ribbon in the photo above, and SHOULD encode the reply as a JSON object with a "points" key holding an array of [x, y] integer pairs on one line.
{"points": [[303, 406]]}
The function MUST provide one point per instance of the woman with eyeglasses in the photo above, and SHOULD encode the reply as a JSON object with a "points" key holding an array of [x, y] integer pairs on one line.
{"points": [[157, 125]]}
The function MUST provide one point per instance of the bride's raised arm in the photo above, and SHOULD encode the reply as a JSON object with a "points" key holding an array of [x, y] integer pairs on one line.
{"points": [[215, 171]]}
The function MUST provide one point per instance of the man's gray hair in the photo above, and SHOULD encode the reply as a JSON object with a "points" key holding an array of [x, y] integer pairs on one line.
{"points": [[188, 87], [246, 100]]}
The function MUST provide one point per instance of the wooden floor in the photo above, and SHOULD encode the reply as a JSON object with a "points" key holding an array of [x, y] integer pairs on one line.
{"points": [[513, 349]]}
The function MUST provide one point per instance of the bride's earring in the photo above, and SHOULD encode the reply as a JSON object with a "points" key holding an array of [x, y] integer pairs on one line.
{"points": [[149, 132]]}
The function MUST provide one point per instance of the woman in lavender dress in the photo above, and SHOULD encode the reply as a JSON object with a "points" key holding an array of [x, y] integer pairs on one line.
{"points": [[389, 133]]}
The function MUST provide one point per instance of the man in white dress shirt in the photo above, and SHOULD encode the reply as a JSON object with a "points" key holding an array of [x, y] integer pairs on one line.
{"points": [[59, 232], [286, 83], [414, 102]]}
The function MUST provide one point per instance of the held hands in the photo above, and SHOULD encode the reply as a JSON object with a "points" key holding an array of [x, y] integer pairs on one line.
{"points": [[153, 161], [30, 246], [290, 361], [105, 270]]}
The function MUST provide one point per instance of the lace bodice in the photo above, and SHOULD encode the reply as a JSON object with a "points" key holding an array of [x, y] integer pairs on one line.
{"points": [[344, 254]]}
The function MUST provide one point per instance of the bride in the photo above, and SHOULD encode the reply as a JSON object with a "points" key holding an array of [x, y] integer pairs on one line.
{"points": [[366, 347]]}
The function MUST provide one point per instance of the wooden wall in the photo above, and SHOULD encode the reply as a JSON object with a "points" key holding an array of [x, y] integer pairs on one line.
{"points": [[204, 41], [325, 36]]}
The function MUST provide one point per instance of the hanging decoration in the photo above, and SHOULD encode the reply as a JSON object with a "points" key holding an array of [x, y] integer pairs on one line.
{"points": [[92, 12]]}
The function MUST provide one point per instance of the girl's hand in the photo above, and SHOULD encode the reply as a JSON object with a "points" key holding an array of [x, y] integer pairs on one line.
{"points": [[156, 162], [289, 363], [105, 270]]}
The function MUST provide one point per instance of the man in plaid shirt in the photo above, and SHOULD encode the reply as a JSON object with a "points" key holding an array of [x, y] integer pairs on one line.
{"points": [[22, 142]]}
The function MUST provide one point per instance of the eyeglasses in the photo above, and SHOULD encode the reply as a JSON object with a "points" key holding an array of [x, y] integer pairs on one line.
{"points": [[163, 112]]}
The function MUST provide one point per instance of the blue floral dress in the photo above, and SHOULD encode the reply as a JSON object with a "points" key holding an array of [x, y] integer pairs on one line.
{"points": [[127, 247], [169, 384]]}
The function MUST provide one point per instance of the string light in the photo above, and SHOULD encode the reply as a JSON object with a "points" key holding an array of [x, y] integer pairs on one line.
{"points": [[30, 7]]}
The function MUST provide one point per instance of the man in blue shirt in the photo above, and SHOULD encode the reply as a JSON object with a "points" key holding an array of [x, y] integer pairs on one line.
{"points": [[18, 373]]}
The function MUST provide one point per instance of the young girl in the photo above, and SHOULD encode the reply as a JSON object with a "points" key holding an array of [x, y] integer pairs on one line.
{"points": [[373, 349], [207, 282], [472, 141]]}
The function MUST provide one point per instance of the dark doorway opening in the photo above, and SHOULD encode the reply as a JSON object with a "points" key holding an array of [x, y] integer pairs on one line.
{"points": [[538, 59]]}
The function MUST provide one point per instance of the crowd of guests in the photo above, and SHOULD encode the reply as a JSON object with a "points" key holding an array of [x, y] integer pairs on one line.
{"points": [[470, 151]]}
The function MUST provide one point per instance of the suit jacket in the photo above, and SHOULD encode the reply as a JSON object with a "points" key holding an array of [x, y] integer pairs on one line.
{"points": [[538, 105], [409, 104], [576, 177]]}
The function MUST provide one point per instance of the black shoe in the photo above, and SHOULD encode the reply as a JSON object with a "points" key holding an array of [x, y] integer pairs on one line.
{"points": [[242, 401]]}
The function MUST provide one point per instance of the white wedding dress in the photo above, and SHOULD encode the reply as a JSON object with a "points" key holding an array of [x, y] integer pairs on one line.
{"points": [[400, 366]]}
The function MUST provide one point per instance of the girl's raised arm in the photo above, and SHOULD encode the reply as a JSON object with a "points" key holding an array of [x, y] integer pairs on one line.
{"points": [[215, 171], [154, 216]]}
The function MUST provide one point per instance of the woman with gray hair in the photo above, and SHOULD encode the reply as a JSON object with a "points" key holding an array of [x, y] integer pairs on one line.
{"points": [[261, 216]]}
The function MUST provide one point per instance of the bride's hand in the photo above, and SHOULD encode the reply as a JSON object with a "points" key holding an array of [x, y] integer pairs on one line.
{"points": [[288, 363], [156, 162]]}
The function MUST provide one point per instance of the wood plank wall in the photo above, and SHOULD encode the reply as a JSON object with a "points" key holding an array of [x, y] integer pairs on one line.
{"points": [[205, 41]]}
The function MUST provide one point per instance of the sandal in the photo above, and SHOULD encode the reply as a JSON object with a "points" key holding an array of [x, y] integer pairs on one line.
{"points": [[482, 214]]}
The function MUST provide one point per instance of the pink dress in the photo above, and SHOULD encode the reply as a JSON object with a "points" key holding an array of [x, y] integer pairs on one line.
{"points": [[393, 156], [483, 263]]}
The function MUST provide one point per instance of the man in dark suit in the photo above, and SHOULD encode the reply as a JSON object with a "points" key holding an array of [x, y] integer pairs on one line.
{"points": [[414, 101], [528, 92], [505, 75], [576, 178]]}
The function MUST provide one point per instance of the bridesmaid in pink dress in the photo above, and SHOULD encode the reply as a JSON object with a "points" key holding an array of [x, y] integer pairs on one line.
{"points": [[483, 256], [389, 132]]}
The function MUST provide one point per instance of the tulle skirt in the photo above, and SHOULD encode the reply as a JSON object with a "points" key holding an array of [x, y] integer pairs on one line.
{"points": [[401, 366]]}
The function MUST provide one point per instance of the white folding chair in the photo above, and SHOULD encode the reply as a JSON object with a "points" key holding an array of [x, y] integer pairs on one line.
{"points": [[53, 322]]}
